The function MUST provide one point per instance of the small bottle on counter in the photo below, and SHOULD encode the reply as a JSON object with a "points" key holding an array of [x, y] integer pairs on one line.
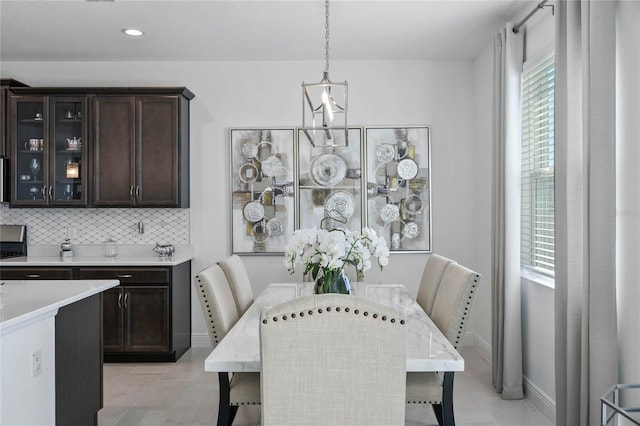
{"points": [[65, 249]]}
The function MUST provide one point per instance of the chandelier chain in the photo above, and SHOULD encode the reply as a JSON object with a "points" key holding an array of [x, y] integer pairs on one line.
{"points": [[326, 35]]}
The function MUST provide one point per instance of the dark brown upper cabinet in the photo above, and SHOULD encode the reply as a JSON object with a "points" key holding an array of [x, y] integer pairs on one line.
{"points": [[140, 151], [135, 146]]}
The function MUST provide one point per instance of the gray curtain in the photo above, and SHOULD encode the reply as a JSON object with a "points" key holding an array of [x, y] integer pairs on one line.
{"points": [[507, 130], [585, 293]]}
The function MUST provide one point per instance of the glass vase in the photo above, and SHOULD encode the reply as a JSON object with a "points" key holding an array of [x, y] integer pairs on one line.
{"points": [[333, 281]]}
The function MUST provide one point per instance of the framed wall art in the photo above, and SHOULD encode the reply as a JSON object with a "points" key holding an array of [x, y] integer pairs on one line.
{"points": [[330, 181], [262, 188], [398, 188]]}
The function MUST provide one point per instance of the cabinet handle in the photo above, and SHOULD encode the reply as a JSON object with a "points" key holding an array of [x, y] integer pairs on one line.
{"points": [[131, 192], [32, 276], [124, 276], [51, 192], [137, 193], [126, 297], [44, 191], [120, 301]]}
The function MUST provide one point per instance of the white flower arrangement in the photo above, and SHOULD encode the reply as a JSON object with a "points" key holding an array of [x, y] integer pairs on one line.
{"points": [[329, 251]]}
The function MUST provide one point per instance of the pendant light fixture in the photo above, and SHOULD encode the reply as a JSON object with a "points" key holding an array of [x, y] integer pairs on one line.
{"points": [[324, 105]]}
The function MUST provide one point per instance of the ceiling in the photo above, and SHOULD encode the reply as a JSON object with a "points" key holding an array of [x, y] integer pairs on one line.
{"points": [[189, 30]]}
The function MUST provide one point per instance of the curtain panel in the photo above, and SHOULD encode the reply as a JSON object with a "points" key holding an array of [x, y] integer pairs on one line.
{"points": [[585, 184], [507, 135]]}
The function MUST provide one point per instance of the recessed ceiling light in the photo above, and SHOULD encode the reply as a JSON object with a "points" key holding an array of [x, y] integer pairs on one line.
{"points": [[134, 32]]}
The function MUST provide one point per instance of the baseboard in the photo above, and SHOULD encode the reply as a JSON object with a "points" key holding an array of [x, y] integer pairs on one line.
{"points": [[534, 395], [200, 340], [539, 399], [482, 347]]}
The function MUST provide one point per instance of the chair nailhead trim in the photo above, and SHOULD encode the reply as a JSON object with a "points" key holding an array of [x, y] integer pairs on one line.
{"points": [[337, 309]]}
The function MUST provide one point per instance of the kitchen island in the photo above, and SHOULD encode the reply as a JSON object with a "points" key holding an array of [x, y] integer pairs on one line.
{"points": [[51, 351]]}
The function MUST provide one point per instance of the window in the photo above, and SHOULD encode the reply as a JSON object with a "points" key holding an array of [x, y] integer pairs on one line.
{"points": [[537, 206]]}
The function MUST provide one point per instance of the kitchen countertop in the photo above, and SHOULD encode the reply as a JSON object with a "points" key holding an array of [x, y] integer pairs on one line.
{"points": [[91, 256], [25, 302]]}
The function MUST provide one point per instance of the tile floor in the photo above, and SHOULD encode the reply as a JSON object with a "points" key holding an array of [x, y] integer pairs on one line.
{"points": [[181, 393]]}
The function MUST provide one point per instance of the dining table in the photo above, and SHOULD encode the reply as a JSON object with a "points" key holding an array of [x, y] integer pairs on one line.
{"points": [[428, 350]]}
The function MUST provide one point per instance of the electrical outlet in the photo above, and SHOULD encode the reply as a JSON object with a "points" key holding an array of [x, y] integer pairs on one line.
{"points": [[36, 364]]}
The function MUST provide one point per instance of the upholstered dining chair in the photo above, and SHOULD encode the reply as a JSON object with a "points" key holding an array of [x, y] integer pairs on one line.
{"points": [[451, 308], [333, 359], [239, 282], [431, 277], [220, 313]]}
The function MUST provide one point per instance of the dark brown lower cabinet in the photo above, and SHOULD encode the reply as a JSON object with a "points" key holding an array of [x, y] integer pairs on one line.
{"points": [[136, 319], [25, 273], [147, 317]]}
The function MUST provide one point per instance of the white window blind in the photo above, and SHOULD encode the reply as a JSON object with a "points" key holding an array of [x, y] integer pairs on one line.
{"points": [[537, 211]]}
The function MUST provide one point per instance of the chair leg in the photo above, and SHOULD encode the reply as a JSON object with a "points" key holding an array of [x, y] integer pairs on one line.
{"points": [[437, 410], [447, 400], [226, 413]]}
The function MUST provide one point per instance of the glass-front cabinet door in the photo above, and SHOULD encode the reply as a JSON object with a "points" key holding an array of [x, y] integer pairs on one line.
{"points": [[67, 157], [29, 146], [48, 138]]}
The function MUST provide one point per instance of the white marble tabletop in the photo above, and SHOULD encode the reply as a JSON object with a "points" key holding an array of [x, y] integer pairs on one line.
{"points": [[427, 350], [23, 302]]}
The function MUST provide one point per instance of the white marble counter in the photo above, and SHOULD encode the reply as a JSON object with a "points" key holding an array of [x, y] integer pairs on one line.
{"points": [[128, 255], [428, 349], [25, 302]]}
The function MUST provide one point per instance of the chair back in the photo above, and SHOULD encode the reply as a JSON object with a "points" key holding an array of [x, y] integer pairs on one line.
{"points": [[431, 277], [218, 306], [239, 282], [333, 359], [453, 301]]}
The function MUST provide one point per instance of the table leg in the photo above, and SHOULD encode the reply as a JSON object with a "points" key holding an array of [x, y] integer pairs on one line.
{"points": [[447, 399], [225, 417]]}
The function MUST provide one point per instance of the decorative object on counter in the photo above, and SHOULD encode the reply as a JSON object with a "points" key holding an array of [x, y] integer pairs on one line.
{"points": [[262, 189], [330, 179], [324, 105], [109, 248], [65, 249], [164, 250], [325, 254], [398, 170]]}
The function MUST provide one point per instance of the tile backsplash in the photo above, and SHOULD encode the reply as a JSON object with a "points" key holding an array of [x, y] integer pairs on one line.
{"points": [[93, 226]]}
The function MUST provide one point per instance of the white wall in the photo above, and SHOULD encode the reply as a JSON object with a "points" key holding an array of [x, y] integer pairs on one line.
{"points": [[236, 94]]}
